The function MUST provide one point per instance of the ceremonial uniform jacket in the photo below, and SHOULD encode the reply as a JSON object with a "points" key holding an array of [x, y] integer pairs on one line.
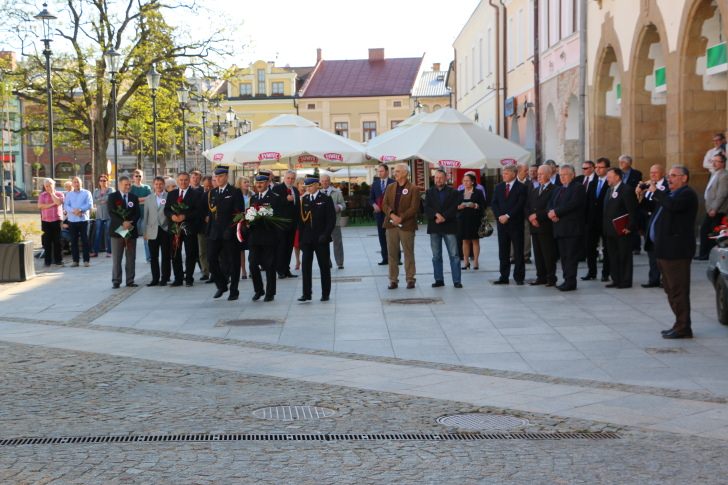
{"points": [[317, 219], [223, 204], [264, 234]]}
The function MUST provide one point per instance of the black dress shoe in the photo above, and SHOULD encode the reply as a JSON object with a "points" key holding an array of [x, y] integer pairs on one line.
{"points": [[341, 267], [324, 298], [282, 276], [115, 286], [153, 283], [550, 284], [500, 282], [536, 282], [624, 287], [663, 332], [233, 296], [519, 283], [383, 262], [257, 295], [204, 277], [210, 281], [611, 285], [605, 279], [438, 284], [176, 283], [650, 285], [162, 283], [458, 285], [131, 285], [304, 298], [189, 283], [291, 275], [674, 334], [268, 298], [588, 277], [219, 293], [566, 288]]}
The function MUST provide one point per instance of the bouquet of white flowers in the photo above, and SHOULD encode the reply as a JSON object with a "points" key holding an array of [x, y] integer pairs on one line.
{"points": [[258, 214]]}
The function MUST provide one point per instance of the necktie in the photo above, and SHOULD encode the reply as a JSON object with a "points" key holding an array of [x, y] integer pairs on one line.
{"points": [[540, 191], [508, 190], [126, 201], [384, 185], [599, 187], [586, 181], [182, 194]]}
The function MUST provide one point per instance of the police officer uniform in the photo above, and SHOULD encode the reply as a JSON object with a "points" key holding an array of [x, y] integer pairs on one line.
{"points": [[263, 244], [223, 204], [316, 222]]}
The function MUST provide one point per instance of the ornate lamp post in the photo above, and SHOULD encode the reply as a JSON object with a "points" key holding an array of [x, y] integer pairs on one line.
{"points": [[183, 96], [204, 110], [153, 79], [111, 59], [46, 17]]}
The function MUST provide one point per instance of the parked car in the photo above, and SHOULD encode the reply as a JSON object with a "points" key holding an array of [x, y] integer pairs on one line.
{"points": [[718, 275], [18, 193]]}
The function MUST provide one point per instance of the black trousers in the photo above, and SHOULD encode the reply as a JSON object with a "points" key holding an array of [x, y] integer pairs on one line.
{"points": [[382, 234], [592, 256], [263, 258], [322, 252], [79, 230], [676, 280], [285, 249], [544, 253], [571, 250], [189, 241], [511, 234], [620, 259], [223, 256], [706, 244], [160, 244], [51, 240]]}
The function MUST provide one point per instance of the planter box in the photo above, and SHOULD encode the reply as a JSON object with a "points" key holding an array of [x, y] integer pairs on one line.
{"points": [[16, 262]]}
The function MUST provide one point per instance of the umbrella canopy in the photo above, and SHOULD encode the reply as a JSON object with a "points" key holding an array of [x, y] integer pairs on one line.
{"points": [[449, 139], [289, 139], [411, 121]]}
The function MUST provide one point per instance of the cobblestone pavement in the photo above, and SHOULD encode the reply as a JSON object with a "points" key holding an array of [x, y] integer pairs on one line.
{"points": [[49, 392]]}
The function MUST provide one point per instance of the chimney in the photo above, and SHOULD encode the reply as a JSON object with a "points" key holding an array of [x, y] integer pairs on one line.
{"points": [[376, 54], [318, 55], [435, 66]]}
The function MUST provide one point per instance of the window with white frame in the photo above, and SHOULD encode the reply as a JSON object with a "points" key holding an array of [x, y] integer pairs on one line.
{"points": [[511, 49], [276, 88], [341, 128], [246, 89], [481, 59], [489, 48], [520, 37], [261, 82], [473, 60], [369, 129]]}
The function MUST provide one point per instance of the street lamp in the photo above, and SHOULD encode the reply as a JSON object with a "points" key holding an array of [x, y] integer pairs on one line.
{"points": [[153, 79], [247, 125], [204, 110], [183, 96], [111, 59], [46, 17]]}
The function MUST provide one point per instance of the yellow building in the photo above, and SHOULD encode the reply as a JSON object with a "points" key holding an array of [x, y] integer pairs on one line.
{"points": [[261, 91], [360, 98]]}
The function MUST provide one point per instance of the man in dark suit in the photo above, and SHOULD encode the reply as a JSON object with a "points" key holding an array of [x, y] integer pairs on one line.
{"points": [[316, 221], [183, 209], [441, 210], [541, 228], [567, 214], [620, 201], [509, 201], [595, 196], [263, 241], [125, 214], [587, 175], [672, 229], [223, 204], [647, 208], [376, 195], [633, 177], [289, 200]]}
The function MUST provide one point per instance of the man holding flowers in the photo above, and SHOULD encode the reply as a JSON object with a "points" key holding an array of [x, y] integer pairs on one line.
{"points": [[183, 212], [124, 210]]}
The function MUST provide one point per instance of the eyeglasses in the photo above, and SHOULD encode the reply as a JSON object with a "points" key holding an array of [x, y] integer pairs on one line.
{"points": [[137, 176], [586, 168], [103, 180]]}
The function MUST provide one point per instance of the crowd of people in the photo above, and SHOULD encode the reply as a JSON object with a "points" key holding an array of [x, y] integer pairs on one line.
{"points": [[544, 210]]}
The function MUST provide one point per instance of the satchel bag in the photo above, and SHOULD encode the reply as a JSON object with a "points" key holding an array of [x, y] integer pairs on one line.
{"points": [[485, 229]]}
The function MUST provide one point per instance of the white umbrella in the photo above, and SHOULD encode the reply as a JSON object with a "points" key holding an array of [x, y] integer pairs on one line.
{"points": [[449, 139], [411, 121], [291, 139]]}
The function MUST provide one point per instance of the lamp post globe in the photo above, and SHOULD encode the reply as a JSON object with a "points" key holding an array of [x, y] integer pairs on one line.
{"points": [[46, 18], [111, 59], [153, 80]]}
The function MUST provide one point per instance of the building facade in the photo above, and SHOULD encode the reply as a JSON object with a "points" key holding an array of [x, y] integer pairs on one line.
{"points": [[360, 98], [431, 92], [658, 80]]}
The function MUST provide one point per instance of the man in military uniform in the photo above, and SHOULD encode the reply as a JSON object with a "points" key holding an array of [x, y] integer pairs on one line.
{"points": [[316, 223], [223, 204], [263, 241]]}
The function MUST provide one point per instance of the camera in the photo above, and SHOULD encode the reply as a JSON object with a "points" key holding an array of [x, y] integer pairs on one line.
{"points": [[644, 186]]}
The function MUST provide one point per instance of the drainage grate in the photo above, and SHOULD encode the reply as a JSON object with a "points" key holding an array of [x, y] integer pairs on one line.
{"points": [[293, 413], [228, 437], [481, 421], [670, 350], [345, 279], [413, 301], [247, 322]]}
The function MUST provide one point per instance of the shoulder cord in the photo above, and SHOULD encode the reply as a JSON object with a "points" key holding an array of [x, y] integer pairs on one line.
{"points": [[308, 216]]}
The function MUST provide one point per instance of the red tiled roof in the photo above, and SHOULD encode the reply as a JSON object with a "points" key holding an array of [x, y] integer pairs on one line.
{"points": [[362, 77]]}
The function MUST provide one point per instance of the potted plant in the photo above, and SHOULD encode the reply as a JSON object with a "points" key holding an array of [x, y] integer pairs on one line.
{"points": [[16, 255]]}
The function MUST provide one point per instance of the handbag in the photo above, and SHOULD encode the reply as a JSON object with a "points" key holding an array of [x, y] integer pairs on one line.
{"points": [[485, 229]]}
